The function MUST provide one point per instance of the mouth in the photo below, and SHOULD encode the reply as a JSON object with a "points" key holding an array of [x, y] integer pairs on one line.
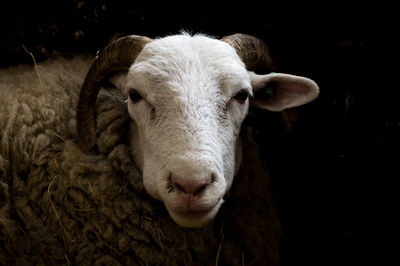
{"points": [[190, 214], [195, 218]]}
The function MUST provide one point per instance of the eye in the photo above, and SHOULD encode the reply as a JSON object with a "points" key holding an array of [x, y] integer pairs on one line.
{"points": [[135, 96], [241, 96]]}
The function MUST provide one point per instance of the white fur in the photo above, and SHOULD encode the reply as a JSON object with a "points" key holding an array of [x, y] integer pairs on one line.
{"points": [[189, 82]]}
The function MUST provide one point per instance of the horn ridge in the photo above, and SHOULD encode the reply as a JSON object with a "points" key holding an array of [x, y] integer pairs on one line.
{"points": [[118, 55], [254, 53]]}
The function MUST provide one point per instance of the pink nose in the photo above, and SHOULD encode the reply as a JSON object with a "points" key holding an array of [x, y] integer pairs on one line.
{"points": [[193, 188]]}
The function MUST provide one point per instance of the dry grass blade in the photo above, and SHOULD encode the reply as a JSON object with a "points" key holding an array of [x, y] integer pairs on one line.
{"points": [[36, 67], [66, 257], [253, 261], [64, 231], [23, 231], [161, 236], [55, 211], [219, 250], [58, 136], [90, 187]]}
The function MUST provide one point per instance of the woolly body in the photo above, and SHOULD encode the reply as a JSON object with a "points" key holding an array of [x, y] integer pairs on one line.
{"points": [[59, 205]]}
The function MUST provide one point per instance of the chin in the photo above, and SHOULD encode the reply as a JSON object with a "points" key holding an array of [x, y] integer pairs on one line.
{"points": [[195, 218]]}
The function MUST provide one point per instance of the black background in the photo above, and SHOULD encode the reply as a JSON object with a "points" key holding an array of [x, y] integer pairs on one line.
{"points": [[333, 175]]}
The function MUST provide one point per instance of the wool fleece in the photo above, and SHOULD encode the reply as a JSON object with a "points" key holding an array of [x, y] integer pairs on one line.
{"points": [[59, 206]]}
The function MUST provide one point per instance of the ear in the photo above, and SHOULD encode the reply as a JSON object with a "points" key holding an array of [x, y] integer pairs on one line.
{"points": [[277, 91]]}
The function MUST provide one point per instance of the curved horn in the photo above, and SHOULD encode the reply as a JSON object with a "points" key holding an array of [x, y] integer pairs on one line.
{"points": [[116, 56], [253, 51]]}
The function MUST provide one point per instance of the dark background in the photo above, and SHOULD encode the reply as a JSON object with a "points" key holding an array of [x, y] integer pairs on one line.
{"points": [[332, 174]]}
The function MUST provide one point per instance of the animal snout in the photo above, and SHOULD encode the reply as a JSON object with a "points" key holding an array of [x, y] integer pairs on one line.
{"points": [[191, 187]]}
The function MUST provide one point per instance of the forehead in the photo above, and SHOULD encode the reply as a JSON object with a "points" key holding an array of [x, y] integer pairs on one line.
{"points": [[191, 61]]}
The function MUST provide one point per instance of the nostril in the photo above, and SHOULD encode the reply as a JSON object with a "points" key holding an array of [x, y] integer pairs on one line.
{"points": [[180, 187], [200, 189], [190, 187]]}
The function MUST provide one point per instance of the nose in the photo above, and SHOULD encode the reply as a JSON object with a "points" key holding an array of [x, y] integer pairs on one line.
{"points": [[191, 187]]}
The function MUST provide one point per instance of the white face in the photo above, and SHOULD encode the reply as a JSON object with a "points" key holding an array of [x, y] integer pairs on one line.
{"points": [[188, 98]]}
